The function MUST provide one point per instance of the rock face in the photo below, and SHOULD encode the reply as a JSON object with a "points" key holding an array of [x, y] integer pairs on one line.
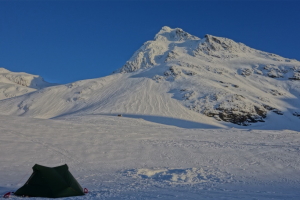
{"points": [[216, 76]]}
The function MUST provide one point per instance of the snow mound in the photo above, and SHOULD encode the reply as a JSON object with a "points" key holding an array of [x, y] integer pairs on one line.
{"points": [[180, 176]]}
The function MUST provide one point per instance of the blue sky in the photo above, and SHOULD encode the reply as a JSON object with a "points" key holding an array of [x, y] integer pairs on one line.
{"points": [[66, 41]]}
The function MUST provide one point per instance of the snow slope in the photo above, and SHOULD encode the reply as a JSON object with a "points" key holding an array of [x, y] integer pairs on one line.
{"points": [[111, 95], [18, 83], [179, 76], [123, 158]]}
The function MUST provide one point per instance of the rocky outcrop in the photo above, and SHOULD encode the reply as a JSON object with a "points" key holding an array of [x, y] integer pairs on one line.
{"points": [[296, 76]]}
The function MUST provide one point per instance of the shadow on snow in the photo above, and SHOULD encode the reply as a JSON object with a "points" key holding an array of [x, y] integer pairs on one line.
{"points": [[166, 121]]}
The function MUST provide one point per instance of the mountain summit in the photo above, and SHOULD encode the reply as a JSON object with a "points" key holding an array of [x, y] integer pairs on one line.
{"points": [[176, 75], [154, 52], [217, 76], [169, 43], [177, 34]]}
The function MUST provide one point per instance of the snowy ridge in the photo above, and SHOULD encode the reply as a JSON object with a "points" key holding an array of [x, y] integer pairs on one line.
{"points": [[18, 83], [211, 81]]}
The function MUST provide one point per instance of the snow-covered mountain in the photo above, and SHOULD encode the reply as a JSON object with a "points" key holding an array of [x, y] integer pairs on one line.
{"points": [[178, 75], [14, 84], [218, 77]]}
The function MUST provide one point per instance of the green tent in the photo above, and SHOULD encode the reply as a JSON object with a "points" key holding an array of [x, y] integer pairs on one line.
{"points": [[50, 182]]}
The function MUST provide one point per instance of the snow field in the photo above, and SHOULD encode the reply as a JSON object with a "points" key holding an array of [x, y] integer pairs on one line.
{"points": [[125, 158]]}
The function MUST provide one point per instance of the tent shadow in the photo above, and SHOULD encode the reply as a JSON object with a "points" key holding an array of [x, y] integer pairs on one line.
{"points": [[181, 123]]}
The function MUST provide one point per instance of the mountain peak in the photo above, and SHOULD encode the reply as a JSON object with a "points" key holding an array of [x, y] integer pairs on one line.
{"points": [[177, 34], [154, 52], [166, 28], [206, 74]]}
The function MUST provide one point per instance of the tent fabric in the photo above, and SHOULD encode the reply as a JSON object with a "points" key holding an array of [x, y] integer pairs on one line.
{"points": [[50, 182]]}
